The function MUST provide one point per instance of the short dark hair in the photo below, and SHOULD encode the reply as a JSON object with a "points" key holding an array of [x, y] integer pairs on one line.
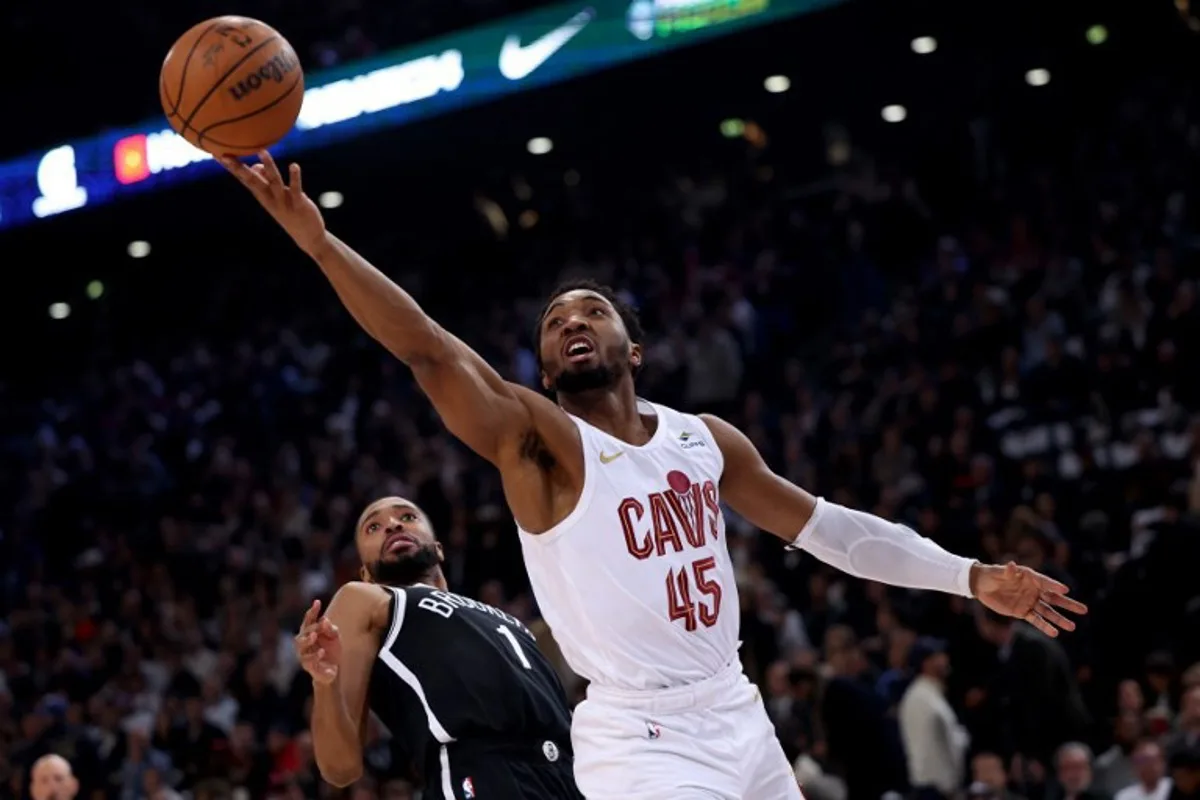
{"points": [[627, 313]]}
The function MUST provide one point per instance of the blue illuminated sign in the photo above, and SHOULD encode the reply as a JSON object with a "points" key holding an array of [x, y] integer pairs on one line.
{"points": [[461, 69]]}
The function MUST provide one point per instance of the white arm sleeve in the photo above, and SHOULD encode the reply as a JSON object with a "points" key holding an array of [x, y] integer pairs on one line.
{"points": [[866, 546]]}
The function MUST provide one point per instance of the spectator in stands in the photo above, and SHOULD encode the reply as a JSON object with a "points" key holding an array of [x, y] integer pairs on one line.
{"points": [[1187, 724], [1185, 774], [1152, 782], [51, 779], [863, 742], [1033, 693], [1114, 767], [934, 741], [989, 778], [1074, 775]]}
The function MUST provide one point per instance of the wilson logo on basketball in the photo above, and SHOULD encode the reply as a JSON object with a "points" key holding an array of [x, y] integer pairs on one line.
{"points": [[273, 71]]}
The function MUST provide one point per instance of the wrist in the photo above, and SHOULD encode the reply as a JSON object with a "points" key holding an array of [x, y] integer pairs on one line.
{"points": [[319, 249], [326, 688], [975, 576]]}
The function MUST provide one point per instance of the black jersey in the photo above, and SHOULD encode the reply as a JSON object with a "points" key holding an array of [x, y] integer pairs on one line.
{"points": [[455, 673]]}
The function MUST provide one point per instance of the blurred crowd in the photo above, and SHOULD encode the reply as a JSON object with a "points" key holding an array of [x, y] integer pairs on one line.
{"points": [[1012, 373]]}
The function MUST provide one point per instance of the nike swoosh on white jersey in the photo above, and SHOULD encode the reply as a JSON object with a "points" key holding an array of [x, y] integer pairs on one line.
{"points": [[517, 61]]}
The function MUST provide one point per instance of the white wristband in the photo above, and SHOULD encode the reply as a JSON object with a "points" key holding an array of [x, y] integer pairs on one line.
{"points": [[872, 548]]}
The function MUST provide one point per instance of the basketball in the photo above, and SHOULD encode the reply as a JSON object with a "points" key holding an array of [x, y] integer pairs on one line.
{"points": [[231, 86]]}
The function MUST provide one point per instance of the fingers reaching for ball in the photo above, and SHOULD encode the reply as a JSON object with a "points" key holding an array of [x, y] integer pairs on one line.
{"points": [[270, 169], [251, 177], [264, 177], [286, 202]]}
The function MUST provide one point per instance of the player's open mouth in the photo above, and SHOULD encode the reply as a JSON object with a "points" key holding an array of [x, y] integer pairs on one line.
{"points": [[398, 542], [578, 348]]}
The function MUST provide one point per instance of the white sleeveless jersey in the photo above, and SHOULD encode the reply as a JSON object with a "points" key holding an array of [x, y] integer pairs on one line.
{"points": [[636, 583]]}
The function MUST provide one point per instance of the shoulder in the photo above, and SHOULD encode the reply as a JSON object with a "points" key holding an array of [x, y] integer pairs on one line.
{"points": [[718, 427], [360, 592], [910, 705], [734, 445], [359, 604]]}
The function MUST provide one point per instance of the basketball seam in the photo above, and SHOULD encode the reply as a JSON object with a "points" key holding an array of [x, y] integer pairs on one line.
{"points": [[204, 133], [183, 72], [221, 81]]}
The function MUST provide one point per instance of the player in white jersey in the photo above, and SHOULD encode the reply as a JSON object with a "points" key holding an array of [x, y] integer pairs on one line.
{"points": [[618, 504]]}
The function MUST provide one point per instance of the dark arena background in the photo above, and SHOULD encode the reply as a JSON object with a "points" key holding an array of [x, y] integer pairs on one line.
{"points": [[937, 259]]}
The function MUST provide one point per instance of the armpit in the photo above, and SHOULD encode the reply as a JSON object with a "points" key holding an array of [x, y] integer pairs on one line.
{"points": [[534, 449]]}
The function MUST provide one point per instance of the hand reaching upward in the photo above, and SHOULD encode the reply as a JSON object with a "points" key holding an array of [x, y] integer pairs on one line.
{"points": [[287, 203]]}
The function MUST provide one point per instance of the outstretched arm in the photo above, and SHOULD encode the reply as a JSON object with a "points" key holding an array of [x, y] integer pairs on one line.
{"points": [[869, 547], [476, 404]]}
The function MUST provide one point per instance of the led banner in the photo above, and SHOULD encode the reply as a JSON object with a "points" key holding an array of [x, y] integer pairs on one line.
{"points": [[461, 69]]}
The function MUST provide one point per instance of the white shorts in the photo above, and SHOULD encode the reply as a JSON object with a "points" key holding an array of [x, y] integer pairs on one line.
{"points": [[708, 741]]}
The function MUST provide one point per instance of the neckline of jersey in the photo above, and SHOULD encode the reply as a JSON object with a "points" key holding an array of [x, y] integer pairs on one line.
{"points": [[660, 430]]}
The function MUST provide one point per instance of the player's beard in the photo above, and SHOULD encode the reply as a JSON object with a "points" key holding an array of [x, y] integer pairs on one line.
{"points": [[406, 570], [601, 376]]}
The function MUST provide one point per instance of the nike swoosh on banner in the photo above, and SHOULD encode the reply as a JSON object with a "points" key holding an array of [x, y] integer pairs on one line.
{"points": [[517, 61]]}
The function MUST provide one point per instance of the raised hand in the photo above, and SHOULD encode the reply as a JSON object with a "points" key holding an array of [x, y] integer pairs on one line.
{"points": [[287, 203], [1024, 594], [318, 646]]}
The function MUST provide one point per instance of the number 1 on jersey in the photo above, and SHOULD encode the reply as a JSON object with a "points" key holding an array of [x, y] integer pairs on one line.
{"points": [[679, 595], [507, 633]]}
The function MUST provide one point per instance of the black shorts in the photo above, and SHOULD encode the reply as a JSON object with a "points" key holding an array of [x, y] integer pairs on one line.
{"points": [[542, 770]]}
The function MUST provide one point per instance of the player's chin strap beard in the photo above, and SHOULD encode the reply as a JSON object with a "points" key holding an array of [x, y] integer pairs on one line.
{"points": [[404, 571], [587, 380]]}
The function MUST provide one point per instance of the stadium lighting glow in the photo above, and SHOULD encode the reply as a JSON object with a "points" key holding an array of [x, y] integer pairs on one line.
{"points": [[330, 199], [539, 145], [924, 45], [59, 311], [1097, 34], [138, 249], [95, 290], [776, 84], [1037, 77], [732, 128], [894, 113]]}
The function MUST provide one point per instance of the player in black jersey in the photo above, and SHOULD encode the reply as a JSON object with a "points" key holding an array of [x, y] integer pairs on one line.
{"points": [[467, 695]]}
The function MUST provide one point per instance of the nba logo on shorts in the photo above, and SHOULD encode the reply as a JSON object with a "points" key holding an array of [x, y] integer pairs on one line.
{"points": [[468, 789], [652, 730]]}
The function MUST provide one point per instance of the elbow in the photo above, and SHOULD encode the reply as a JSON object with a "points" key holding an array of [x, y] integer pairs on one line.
{"points": [[341, 767], [423, 344], [341, 776]]}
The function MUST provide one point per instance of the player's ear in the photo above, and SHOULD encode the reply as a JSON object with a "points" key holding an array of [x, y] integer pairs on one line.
{"points": [[437, 548], [547, 384], [365, 574], [635, 356]]}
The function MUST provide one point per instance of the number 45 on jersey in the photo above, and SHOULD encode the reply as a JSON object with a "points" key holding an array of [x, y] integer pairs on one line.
{"points": [[694, 610]]}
